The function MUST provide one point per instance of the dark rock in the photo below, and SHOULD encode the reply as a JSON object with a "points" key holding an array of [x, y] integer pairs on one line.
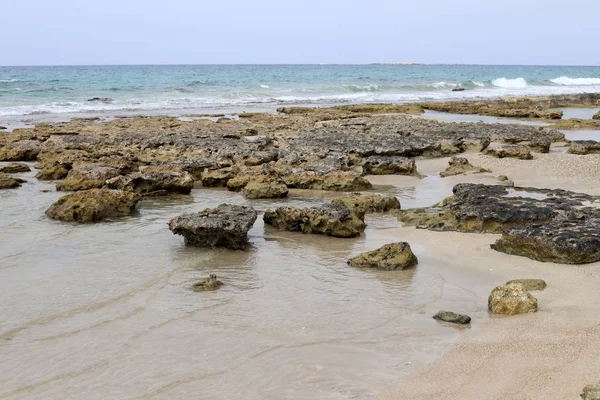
{"points": [[460, 165], [391, 257], [529, 284], [225, 226], [389, 165], [7, 182], [596, 116], [101, 99], [207, 284], [368, 202], [591, 392], [449, 316], [93, 205], [584, 147], [458, 89], [14, 168]]}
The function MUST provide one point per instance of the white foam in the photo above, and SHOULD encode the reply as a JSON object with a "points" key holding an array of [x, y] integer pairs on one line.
{"points": [[517, 83], [476, 83], [443, 84], [566, 81], [265, 86], [8, 80]]}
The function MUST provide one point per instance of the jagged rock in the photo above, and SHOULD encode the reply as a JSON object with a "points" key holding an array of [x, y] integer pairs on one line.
{"points": [[369, 202], [93, 205], [330, 219], [510, 108], [52, 173], [216, 178], [225, 226], [391, 257], [510, 151], [566, 242], [449, 316], [154, 179], [529, 284], [341, 182], [576, 124], [596, 116], [7, 182], [591, 392], [207, 284], [265, 189], [15, 168], [584, 147], [389, 165], [460, 165], [87, 176], [24, 150], [538, 145], [511, 300]]}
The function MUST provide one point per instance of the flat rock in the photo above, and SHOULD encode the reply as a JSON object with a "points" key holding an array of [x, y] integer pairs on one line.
{"points": [[87, 176], [459, 166], [225, 226], [23, 150], [596, 116], [15, 168], [389, 165], [529, 284], [591, 392], [336, 181], [510, 151], [8, 182], [511, 300], [93, 205], [369, 202], [52, 173], [154, 179], [449, 316], [390, 257], [330, 219], [584, 147]]}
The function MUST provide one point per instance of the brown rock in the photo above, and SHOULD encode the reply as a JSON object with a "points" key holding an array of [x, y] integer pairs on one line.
{"points": [[93, 205]]}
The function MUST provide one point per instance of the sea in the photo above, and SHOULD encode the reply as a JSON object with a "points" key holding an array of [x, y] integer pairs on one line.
{"points": [[34, 91]]}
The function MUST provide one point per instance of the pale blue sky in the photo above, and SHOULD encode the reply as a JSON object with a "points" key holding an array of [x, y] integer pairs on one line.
{"points": [[50, 32]]}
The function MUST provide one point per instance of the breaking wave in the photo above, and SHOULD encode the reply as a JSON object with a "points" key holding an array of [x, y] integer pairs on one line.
{"points": [[517, 83], [566, 81]]}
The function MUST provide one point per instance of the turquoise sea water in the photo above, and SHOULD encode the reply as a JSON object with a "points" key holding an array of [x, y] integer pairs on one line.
{"points": [[27, 91]]}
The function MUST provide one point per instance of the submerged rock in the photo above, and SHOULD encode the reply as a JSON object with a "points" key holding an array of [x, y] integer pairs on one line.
{"points": [[460, 165], [330, 219], [368, 202], [153, 179], [8, 182], [391, 257], [529, 284], [389, 165], [87, 176], [93, 205], [52, 173], [511, 300], [206, 284], [584, 147], [510, 151], [101, 99], [449, 316], [225, 226], [15, 168], [591, 392]]}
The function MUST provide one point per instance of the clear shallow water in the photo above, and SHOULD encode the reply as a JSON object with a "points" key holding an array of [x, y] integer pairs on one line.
{"points": [[106, 311], [31, 91]]}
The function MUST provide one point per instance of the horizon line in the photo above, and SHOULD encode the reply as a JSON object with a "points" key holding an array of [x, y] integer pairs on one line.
{"points": [[394, 64]]}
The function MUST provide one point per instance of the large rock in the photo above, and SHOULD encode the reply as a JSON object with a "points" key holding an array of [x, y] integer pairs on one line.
{"points": [[154, 179], [368, 202], [225, 226], [52, 173], [511, 300], [7, 182], [218, 177], [93, 205], [330, 219], [510, 151], [460, 165], [591, 392], [87, 176], [389, 165], [566, 242], [529, 284], [265, 189], [584, 147], [449, 316], [24, 150], [391, 257], [339, 181], [15, 168]]}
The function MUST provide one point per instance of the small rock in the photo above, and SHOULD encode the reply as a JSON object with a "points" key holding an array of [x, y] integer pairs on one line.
{"points": [[369, 202], [511, 300], [449, 316], [2, 128], [154, 180], [393, 256], [596, 116], [458, 89], [93, 205], [101, 99], [529, 284], [206, 284], [510, 151], [7, 182], [14, 168], [460, 165], [591, 392]]}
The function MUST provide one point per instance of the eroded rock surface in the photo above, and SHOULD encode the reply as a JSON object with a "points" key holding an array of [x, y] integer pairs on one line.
{"points": [[154, 179], [389, 165], [368, 202], [459, 166], [265, 189], [87, 176], [591, 392], [8, 182], [529, 284], [93, 205], [584, 147], [511, 300], [391, 257], [452, 317], [510, 151], [15, 168]]}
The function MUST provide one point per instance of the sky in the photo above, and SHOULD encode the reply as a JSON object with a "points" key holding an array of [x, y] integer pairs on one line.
{"points": [[88, 32]]}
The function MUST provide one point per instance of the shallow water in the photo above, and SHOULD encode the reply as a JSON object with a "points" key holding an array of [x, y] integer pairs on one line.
{"points": [[451, 117], [581, 135], [105, 311]]}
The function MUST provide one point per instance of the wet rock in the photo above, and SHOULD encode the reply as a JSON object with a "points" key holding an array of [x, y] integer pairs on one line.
{"points": [[217, 178], [529, 284], [87, 176], [24, 150], [391, 257], [566, 242], [340, 182], [449, 316], [511, 300], [207, 284], [389, 165], [2, 128], [538, 145], [154, 179], [510, 151], [577, 124], [93, 205], [101, 99], [52, 173], [460, 165], [368, 202], [7, 182], [584, 147], [591, 392], [14, 168], [596, 116], [510, 108], [330, 219], [458, 89], [225, 226], [265, 189]]}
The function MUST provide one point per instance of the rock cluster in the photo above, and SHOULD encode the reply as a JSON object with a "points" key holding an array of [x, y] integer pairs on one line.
{"points": [[449, 316], [584, 147]]}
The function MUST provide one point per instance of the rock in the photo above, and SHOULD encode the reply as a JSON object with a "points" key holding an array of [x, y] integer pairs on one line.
{"points": [[510, 151], [460, 165], [591, 392], [93, 205], [391, 257], [52, 173], [505, 181], [510, 108], [511, 300], [340, 182], [87, 176], [7, 182], [458, 89], [576, 124], [101, 99], [330, 219], [206, 284], [389, 165], [14, 168], [23, 150], [584, 147], [596, 116], [154, 179], [257, 189], [225, 226], [368, 202], [449, 316], [538, 145], [529, 284], [217, 178], [3, 128], [566, 242]]}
